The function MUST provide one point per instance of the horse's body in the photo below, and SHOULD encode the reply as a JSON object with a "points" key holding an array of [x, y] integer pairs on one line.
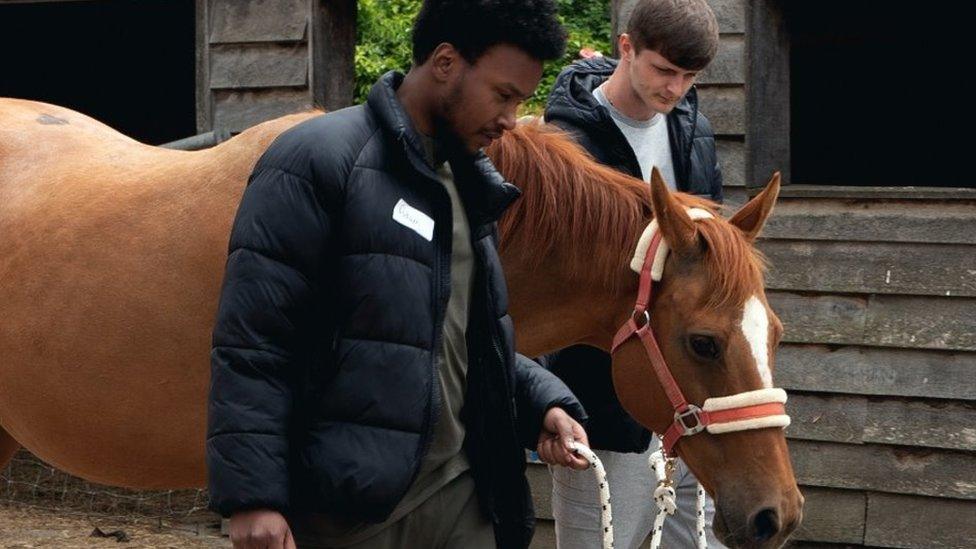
{"points": [[111, 258]]}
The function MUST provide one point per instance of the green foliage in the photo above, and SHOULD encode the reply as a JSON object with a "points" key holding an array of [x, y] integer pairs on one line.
{"points": [[384, 40]]}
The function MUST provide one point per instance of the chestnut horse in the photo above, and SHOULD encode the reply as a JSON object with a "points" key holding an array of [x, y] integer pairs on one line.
{"points": [[112, 254]]}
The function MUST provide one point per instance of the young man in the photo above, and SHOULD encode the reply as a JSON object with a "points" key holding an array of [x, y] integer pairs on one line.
{"points": [[365, 383], [634, 114]]}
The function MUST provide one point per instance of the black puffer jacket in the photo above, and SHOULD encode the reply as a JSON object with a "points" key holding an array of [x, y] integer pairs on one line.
{"points": [[323, 392], [572, 106]]}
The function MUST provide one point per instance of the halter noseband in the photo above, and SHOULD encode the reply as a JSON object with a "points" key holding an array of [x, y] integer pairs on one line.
{"points": [[757, 409]]}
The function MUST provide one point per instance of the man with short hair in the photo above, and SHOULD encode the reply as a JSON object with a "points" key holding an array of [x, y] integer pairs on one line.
{"points": [[365, 387], [634, 114]]}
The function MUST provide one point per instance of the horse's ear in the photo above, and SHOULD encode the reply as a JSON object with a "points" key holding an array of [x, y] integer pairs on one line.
{"points": [[676, 226], [751, 217]]}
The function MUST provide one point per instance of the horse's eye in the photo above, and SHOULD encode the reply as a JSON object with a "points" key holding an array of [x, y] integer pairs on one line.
{"points": [[705, 347]]}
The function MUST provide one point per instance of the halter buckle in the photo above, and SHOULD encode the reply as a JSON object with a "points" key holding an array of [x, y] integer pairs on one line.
{"points": [[691, 411], [641, 318]]}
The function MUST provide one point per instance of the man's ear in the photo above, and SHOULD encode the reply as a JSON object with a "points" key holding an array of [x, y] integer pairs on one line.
{"points": [[624, 45], [444, 62]]}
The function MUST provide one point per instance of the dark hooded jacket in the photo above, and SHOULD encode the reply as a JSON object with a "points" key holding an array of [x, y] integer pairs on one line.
{"points": [[573, 107], [324, 391]]}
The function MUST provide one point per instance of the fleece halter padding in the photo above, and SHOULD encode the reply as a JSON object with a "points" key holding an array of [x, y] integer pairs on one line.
{"points": [[640, 253]]}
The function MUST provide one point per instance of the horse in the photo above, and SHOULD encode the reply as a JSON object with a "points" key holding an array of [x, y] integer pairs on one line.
{"points": [[112, 254]]}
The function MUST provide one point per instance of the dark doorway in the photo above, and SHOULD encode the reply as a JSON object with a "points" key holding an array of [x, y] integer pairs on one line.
{"points": [[880, 93], [128, 63]]}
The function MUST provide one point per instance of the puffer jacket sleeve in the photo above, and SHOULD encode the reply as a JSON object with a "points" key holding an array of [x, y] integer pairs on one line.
{"points": [[705, 158], [259, 351], [536, 392]]}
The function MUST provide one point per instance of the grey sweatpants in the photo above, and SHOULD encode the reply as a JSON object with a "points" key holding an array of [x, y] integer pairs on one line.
{"points": [[576, 505]]}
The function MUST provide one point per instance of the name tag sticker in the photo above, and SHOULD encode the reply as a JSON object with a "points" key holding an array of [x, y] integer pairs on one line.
{"points": [[414, 219]]}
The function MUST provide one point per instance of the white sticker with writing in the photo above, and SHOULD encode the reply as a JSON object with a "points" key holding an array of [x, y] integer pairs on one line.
{"points": [[414, 219]]}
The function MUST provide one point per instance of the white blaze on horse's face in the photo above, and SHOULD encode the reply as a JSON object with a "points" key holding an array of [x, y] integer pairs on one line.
{"points": [[755, 326]]}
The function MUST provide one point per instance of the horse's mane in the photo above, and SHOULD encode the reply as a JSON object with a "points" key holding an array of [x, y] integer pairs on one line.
{"points": [[569, 198]]}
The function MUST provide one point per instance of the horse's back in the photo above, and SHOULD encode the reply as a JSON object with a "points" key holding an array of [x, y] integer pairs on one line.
{"points": [[111, 256]]}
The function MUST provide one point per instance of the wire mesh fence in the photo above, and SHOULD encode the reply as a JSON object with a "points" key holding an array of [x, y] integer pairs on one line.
{"points": [[27, 483]]}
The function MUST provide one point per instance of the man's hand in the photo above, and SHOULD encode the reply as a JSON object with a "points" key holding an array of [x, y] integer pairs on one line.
{"points": [[260, 529], [559, 432]]}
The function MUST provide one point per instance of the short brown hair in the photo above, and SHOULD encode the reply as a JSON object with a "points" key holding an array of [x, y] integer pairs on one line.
{"points": [[685, 32]]}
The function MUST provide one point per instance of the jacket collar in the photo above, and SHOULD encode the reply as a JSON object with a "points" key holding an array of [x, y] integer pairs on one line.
{"points": [[485, 192]]}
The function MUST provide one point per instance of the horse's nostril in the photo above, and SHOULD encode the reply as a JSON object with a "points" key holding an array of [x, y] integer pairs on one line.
{"points": [[765, 524]]}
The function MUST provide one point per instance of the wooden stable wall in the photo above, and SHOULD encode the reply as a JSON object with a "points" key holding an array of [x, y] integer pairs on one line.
{"points": [[877, 290], [261, 59]]}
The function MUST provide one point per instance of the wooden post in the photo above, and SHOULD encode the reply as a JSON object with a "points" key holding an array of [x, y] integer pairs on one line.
{"points": [[620, 11], [332, 50], [767, 93]]}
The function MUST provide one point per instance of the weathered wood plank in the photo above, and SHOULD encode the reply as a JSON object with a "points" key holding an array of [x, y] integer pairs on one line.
{"points": [[935, 221], [731, 15], [238, 110], [835, 516], [885, 469], [820, 319], [725, 108], [858, 419], [732, 159], [919, 522], [873, 371], [735, 198], [878, 193], [837, 418], [934, 323], [236, 21], [871, 267], [728, 66], [938, 424], [241, 66], [882, 320]]}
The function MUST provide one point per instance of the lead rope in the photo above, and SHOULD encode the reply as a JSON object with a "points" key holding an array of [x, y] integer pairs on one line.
{"points": [[664, 497]]}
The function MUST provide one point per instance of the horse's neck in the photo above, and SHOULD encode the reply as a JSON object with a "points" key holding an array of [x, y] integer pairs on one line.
{"points": [[552, 309]]}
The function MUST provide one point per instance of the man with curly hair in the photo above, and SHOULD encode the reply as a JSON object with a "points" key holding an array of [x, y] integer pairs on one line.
{"points": [[633, 114], [365, 387]]}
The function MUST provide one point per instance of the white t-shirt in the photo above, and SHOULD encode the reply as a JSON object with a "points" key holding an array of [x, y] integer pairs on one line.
{"points": [[648, 139]]}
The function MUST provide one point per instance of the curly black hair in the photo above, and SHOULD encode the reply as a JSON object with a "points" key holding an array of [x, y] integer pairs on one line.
{"points": [[473, 26]]}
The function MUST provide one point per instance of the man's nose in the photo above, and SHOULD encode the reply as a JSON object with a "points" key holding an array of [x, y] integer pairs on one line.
{"points": [[507, 119], [676, 86]]}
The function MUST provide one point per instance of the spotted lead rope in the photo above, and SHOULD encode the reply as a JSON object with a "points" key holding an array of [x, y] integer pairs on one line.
{"points": [[664, 497], [606, 515]]}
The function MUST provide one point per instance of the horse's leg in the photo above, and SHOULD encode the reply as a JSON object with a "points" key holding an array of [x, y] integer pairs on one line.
{"points": [[8, 447]]}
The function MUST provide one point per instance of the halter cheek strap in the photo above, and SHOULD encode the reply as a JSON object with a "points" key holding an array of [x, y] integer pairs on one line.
{"points": [[759, 409]]}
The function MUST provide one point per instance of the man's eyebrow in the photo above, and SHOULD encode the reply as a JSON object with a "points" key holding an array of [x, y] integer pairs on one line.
{"points": [[514, 89]]}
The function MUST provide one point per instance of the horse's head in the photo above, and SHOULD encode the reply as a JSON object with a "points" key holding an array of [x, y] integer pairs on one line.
{"points": [[717, 336]]}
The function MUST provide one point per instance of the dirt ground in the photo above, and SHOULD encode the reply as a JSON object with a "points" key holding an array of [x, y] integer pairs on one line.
{"points": [[24, 527]]}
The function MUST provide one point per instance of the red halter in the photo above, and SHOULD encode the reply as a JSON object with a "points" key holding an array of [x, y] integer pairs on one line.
{"points": [[717, 415]]}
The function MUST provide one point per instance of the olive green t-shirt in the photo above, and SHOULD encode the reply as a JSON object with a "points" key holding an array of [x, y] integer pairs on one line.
{"points": [[445, 459]]}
